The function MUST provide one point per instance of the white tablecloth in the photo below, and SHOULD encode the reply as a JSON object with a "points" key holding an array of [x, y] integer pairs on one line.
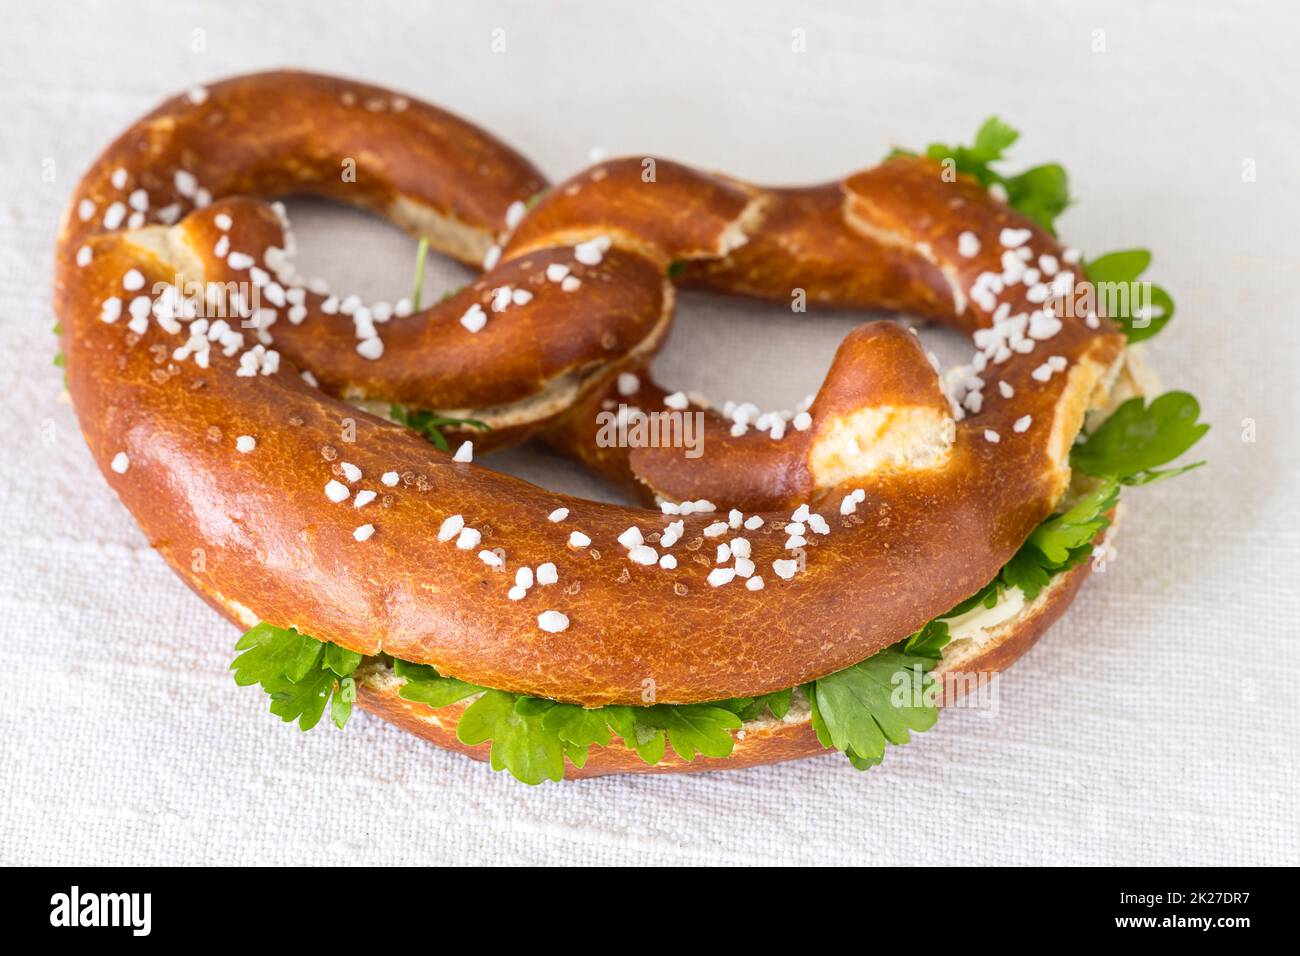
{"points": [[1156, 724]]}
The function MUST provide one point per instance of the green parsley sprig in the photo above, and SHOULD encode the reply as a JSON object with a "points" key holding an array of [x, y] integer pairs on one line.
{"points": [[1132, 444], [431, 424], [1041, 192], [858, 710], [1127, 449], [1060, 542], [300, 673], [1124, 267], [532, 737]]}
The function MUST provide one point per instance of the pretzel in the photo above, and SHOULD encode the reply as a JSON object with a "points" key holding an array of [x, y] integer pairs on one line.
{"points": [[238, 445]]}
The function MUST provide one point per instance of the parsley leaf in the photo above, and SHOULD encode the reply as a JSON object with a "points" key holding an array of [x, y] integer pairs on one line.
{"points": [[930, 640], [861, 708], [1125, 450], [1123, 268], [300, 673], [1028, 571], [528, 733], [987, 596], [690, 729], [752, 708], [1058, 536], [578, 727], [1060, 542], [1131, 444], [990, 140], [425, 685], [430, 424], [520, 742], [693, 728], [303, 700], [1042, 192], [647, 740]]}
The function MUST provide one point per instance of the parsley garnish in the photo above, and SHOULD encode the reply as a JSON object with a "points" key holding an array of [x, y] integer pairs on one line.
{"points": [[520, 741], [752, 708], [1060, 542], [430, 424], [1125, 267], [1042, 192], [300, 673], [1131, 444], [1125, 450], [531, 736], [930, 640], [426, 685], [861, 708]]}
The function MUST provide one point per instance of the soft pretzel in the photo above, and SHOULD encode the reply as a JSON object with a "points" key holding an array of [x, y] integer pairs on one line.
{"points": [[239, 447]]}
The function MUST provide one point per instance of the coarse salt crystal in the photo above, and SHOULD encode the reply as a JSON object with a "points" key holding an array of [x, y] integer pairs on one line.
{"points": [[552, 622], [451, 526]]}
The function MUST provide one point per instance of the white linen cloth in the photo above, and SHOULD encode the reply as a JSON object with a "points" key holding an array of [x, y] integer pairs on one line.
{"points": [[1157, 724]]}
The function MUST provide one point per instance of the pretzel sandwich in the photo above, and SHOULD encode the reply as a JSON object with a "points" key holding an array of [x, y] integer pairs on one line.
{"points": [[224, 397]]}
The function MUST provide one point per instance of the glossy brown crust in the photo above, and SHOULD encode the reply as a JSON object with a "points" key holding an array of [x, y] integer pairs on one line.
{"points": [[256, 534], [806, 244], [430, 359], [878, 365], [770, 742], [269, 134], [678, 215]]}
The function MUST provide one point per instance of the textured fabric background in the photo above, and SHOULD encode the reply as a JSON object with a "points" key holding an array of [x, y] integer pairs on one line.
{"points": [[1157, 724]]}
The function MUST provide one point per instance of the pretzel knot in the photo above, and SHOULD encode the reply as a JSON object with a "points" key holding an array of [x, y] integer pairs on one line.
{"points": [[218, 391]]}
